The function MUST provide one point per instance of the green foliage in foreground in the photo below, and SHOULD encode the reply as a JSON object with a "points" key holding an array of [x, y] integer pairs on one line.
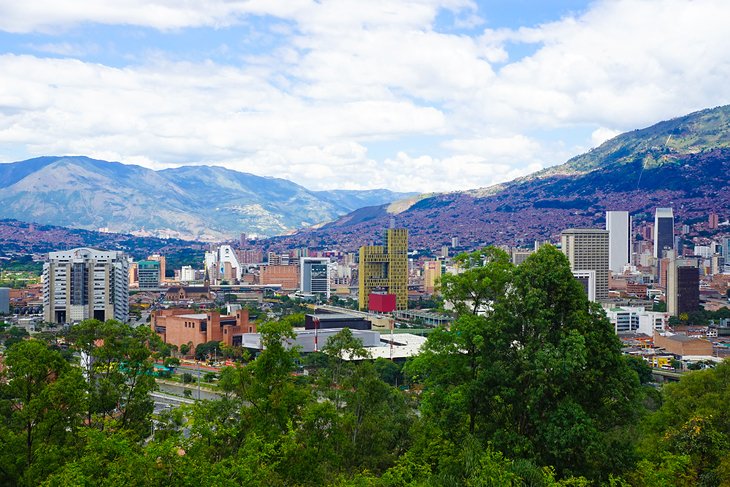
{"points": [[532, 391]]}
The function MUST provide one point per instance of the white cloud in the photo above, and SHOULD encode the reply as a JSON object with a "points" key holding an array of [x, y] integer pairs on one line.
{"points": [[347, 73]]}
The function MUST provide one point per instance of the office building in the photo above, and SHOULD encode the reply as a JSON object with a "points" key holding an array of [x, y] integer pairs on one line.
{"points": [[683, 286], [163, 265], [4, 300], [385, 268], [663, 231], [85, 283], [149, 272], [587, 250], [222, 265], [315, 276], [587, 279], [285, 275], [618, 224]]}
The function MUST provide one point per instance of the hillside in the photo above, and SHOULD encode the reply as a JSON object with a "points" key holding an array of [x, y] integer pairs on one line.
{"points": [[683, 163], [192, 202]]}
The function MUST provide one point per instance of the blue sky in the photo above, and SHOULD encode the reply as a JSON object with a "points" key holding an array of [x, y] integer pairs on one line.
{"points": [[417, 95]]}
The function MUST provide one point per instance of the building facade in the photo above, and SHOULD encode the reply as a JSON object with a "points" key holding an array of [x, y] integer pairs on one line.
{"points": [[663, 231], [618, 224], [385, 268], [587, 250], [149, 273], [314, 273], [683, 287], [85, 283]]}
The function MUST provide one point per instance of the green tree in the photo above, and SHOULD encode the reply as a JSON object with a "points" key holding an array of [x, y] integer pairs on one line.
{"points": [[41, 405], [118, 365], [539, 374]]}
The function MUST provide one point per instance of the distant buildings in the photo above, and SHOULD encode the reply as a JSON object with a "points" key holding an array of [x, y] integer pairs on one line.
{"points": [[286, 275], [663, 231], [587, 250], [85, 283], [315, 276], [163, 265], [149, 273], [222, 265], [618, 224], [385, 268]]}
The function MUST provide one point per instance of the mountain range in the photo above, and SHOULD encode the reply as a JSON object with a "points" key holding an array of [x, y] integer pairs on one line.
{"points": [[193, 202], [683, 163]]}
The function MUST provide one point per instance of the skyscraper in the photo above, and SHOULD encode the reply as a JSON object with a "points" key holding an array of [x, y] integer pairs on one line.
{"points": [[587, 250], [85, 283], [683, 286], [314, 275], [618, 224], [663, 231], [385, 268]]}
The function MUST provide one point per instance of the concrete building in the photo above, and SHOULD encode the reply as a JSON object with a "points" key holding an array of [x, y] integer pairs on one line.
{"points": [[663, 231], [618, 224], [385, 268], [587, 250], [315, 275], [683, 286], [187, 273], [4, 300], [85, 283], [222, 265], [149, 272], [632, 319], [587, 279], [163, 265], [431, 275]]}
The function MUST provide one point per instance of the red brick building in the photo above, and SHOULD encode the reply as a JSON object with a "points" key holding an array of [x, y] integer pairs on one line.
{"points": [[183, 326]]}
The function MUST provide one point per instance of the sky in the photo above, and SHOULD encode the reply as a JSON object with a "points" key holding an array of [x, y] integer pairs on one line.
{"points": [[410, 95]]}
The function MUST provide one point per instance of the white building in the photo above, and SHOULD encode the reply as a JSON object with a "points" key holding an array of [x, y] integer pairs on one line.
{"points": [[187, 273], [85, 283], [314, 275], [222, 264], [587, 250], [627, 319], [618, 224]]}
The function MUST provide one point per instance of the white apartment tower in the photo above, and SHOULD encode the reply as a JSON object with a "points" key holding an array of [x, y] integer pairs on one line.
{"points": [[587, 250], [85, 283], [618, 224]]}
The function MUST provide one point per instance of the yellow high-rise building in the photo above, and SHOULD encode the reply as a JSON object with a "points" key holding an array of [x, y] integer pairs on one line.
{"points": [[385, 268], [431, 275]]}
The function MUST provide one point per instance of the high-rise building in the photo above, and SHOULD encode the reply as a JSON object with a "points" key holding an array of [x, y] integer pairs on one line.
{"points": [[663, 231], [4, 300], [618, 224], [431, 275], [85, 283], [726, 248], [587, 250], [163, 265], [315, 275], [385, 268], [187, 273], [713, 221], [683, 286], [149, 272]]}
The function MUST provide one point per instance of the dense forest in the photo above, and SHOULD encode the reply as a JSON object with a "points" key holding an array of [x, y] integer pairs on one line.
{"points": [[528, 387]]}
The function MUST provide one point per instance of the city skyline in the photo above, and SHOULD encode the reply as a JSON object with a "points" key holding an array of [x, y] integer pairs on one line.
{"points": [[422, 96]]}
